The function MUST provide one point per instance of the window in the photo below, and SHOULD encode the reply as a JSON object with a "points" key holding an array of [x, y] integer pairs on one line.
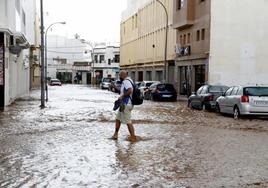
{"points": [[95, 58], [199, 91], [229, 91], [184, 39], [159, 75], [235, 90], [109, 61], [181, 40], [117, 58], [180, 4], [205, 90], [203, 34], [149, 75], [198, 35], [189, 38], [102, 58]]}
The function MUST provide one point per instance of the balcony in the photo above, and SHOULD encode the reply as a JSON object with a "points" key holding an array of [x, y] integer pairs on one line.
{"points": [[184, 14]]}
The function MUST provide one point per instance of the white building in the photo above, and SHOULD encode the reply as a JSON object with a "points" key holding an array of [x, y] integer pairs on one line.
{"points": [[64, 55], [239, 44], [17, 34], [106, 61]]}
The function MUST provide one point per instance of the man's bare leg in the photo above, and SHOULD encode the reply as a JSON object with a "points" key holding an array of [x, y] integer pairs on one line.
{"points": [[131, 130], [117, 128]]}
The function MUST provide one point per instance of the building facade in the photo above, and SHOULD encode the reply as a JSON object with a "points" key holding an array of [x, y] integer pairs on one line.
{"points": [[142, 47], [220, 44], [64, 55], [192, 23], [17, 35], [106, 60], [238, 47]]}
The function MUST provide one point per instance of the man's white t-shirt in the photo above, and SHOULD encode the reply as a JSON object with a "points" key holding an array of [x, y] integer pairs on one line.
{"points": [[126, 84]]}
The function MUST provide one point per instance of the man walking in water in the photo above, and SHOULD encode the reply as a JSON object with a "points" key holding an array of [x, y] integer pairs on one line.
{"points": [[124, 113]]}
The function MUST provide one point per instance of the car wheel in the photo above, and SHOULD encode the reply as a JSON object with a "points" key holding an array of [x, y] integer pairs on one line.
{"points": [[236, 112], [218, 109]]}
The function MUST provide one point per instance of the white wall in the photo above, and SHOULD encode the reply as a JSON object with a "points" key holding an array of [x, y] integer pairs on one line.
{"points": [[239, 44], [17, 72]]}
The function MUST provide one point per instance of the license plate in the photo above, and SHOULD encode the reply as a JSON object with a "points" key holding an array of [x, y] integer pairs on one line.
{"points": [[263, 103], [167, 96]]}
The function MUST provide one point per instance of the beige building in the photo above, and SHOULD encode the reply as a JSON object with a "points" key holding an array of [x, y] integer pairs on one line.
{"points": [[142, 46], [192, 22]]}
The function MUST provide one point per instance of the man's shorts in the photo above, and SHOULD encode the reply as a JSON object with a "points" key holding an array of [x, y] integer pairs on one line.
{"points": [[125, 116]]}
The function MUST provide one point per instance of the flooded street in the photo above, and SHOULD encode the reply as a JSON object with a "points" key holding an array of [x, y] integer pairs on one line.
{"points": [[67, 145]]}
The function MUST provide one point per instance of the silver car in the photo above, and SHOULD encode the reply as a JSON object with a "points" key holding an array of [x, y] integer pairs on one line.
{"points": [[239, 100]]}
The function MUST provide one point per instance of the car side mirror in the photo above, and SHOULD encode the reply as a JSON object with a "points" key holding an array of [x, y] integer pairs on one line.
{"points": [[193, 93], [224, 94]]}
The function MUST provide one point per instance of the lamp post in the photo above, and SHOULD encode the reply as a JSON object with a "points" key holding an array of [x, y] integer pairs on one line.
{"points": [[42, 57], [63, 23], [166, 41]]}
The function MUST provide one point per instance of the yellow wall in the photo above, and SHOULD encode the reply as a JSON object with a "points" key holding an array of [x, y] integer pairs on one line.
{"points": [[143, 30]]}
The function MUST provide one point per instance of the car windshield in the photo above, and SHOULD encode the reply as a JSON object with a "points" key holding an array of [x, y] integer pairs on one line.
{"points": [[163, 87], [218, 89], [106, 80], [55, 80], [256, 91], [148, 84]]}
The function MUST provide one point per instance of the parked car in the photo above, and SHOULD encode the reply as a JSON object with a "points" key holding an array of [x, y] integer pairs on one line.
{"points": [[240, 100], [55, 82], [145, 85], [206, 97], [138, 84], [117, 84], [106, 83], [148, 92], [161, 92]]}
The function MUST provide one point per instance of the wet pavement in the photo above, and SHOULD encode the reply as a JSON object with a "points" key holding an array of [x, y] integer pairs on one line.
{"points": [[67, 145]]}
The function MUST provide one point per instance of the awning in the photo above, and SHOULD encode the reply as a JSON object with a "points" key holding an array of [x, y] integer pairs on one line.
{"points": [[5, 31]]}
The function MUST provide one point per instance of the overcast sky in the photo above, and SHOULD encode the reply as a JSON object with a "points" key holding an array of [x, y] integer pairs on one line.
{"points": [[93, 20]]}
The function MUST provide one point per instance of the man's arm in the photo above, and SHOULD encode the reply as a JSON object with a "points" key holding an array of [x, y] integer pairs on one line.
{"points": [[127, 93]]}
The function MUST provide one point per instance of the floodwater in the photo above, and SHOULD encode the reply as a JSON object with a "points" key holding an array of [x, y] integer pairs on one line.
{"points": [[67, 145]]}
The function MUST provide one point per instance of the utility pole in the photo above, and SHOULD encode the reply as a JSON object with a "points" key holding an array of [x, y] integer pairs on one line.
{"points": [[166, 41], [42, 57]]}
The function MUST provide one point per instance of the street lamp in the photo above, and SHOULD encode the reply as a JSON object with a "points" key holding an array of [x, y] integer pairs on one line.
{"points": [[166, 40], [63, 23], [42, 56]]}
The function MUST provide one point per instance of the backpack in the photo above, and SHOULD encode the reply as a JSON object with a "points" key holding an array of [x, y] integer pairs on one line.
{"points": [[137, 98]]}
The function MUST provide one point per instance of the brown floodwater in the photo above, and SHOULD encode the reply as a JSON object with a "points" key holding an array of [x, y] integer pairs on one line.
{"points": [[67, 144]]}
